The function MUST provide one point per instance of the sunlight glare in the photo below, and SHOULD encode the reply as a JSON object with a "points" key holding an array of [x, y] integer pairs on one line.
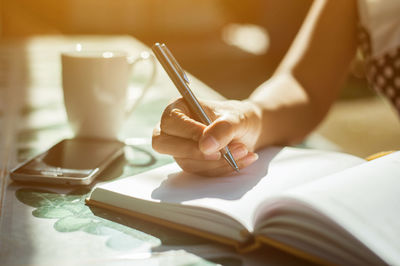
{"points": [[248, 37]]}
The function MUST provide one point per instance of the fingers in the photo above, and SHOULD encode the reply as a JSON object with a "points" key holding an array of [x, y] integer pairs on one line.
{"points": [[215, 168], [219, 136], [176, 121], [178, 134], [220, 133], [185, 148], [195, 146], [180, 147]]}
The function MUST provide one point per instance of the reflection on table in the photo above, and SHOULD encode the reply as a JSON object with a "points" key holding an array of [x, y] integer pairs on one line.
{"points": [[43, 225]]}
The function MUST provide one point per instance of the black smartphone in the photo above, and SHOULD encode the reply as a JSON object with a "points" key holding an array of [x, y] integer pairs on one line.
{"points": [[71, 161]]}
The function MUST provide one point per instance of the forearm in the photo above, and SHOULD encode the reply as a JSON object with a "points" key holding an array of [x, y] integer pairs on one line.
{"points": [[285, 111], [306, 83]]}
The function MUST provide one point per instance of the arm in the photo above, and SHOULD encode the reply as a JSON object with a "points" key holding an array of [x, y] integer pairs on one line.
{"points": [[281, 111], [306, 83]]}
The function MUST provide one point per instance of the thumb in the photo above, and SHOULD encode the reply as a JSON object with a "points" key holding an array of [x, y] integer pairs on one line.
{"points": [[217, 135]]}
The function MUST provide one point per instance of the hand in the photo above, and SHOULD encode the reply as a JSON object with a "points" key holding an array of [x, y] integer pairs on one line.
{"points": [[195, 146]]}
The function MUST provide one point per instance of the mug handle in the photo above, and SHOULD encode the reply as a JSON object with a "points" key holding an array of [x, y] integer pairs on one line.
{"points": [[133, 61]]}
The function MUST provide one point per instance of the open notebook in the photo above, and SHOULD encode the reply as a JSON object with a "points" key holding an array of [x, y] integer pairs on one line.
{"points": [[326, 206]]}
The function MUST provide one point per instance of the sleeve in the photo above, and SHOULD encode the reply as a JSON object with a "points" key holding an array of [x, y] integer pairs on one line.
{"points": [[381, 19]]}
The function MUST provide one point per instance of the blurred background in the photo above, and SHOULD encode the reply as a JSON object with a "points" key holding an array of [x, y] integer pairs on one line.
{"points": [[232, 46]]}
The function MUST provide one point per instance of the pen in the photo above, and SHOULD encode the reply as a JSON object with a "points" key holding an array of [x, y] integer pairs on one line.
{"points": [[181, 81]]}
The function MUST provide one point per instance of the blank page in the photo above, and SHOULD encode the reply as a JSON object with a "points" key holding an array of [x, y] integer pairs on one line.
{"points": [[238, 195], [365, 200]]}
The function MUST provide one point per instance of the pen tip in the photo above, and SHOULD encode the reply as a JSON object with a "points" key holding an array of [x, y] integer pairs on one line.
{"points": [[229, 158]]}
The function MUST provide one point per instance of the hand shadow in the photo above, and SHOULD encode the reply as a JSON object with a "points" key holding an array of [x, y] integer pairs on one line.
{"points": [[182, 186]]}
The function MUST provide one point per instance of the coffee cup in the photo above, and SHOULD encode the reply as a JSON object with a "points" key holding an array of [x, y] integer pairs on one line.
{"points": [[95, 86]]}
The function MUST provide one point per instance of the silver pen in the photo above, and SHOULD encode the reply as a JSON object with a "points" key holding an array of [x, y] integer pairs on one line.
{"points": [[181, 81]]}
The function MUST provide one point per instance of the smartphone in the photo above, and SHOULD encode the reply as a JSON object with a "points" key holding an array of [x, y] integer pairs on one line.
{"points": [[71, 162]]}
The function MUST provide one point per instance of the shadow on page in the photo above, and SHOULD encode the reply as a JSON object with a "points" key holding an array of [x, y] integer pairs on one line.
{"points": [[181, 186]]}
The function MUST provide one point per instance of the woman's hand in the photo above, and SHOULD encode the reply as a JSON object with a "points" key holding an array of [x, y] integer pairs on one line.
{"points": [[195, 146]]}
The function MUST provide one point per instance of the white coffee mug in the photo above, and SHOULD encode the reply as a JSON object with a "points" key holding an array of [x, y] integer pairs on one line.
{"points": [[95, 86]]}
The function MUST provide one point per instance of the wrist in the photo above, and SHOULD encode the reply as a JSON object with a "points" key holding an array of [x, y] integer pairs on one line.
{"points": [[253, 122]]}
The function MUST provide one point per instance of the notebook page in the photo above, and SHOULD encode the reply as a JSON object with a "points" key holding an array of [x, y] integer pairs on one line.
{"points": [[238, 195], [365, 200]]}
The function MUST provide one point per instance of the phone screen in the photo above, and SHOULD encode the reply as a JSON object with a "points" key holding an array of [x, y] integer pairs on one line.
{"points": [[72, 158]]}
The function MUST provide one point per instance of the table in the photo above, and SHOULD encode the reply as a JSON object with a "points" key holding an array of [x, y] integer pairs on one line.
{"points": [[48, 225]]}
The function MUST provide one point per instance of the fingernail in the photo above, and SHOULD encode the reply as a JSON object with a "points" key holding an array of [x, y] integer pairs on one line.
{"points": [[239, 152], [213, 156], [209, 145], [251, 158]]}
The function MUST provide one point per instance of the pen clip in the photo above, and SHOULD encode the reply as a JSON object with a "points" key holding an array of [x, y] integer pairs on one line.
{"points": [[176, 64]]}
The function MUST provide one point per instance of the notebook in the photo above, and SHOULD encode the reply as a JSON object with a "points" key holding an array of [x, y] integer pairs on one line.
{"points": [[324, 206]]}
